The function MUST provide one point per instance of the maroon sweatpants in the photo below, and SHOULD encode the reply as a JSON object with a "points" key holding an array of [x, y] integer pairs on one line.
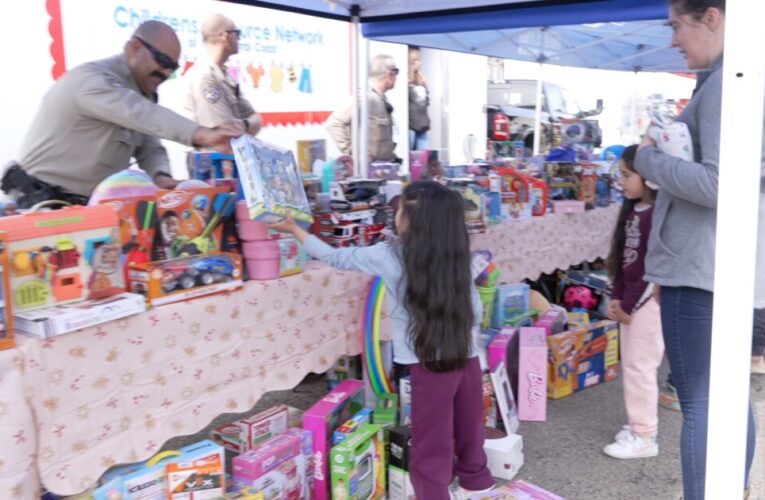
{"points": [[447, 420]]}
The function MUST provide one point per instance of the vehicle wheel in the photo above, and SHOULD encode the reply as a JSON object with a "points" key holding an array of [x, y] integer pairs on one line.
{"points": [[206, 279], [188, 282]]}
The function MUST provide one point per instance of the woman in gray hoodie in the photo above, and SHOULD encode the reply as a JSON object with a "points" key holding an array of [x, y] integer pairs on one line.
{"points": [[681, 247]]}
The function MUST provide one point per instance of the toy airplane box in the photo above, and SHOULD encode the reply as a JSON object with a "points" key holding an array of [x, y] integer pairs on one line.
{"points": [[56, 320], [186, 278], [280, 467], [190, 221], [323, 418], [149, 480], [582, 358], [270, 181], [6, 306], [358, 465], [62, 256]]}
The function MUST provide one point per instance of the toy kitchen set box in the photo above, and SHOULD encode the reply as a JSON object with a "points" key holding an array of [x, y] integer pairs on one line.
{"points": [[62, 256]]}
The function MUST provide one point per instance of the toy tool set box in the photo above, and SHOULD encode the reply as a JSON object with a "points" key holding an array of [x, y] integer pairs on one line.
{"points": [[63, 256], [185, 278], [270, 181], [6, 306]]}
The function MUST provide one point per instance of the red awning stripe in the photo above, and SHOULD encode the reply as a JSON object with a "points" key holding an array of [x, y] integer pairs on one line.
{"points": [[295, 118]]}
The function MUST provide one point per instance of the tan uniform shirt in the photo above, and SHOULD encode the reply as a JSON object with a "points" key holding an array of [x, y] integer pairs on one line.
{"points": [[381, 145], [90, 124], [212, 97]]}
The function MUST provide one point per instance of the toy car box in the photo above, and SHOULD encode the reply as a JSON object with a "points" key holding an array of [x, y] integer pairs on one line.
{"points": [[270, 181], [323, 418], [358, 465], [62, 256], [6, 306], [582, 358], [186, 278], [280, 467]]}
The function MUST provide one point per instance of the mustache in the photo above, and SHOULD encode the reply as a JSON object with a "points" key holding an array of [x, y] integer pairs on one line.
{"points": [[159, 75]]}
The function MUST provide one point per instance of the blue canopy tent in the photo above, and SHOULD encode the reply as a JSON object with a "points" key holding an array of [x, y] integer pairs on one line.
{"points": [[629, 35]]}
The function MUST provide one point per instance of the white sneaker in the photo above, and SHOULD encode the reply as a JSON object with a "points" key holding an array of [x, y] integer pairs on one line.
{"points": [[630, 445], [622, 434], [457, 492]]}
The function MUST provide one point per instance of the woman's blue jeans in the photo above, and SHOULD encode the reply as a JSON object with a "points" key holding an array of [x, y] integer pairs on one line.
{"points": [[686, 320]]}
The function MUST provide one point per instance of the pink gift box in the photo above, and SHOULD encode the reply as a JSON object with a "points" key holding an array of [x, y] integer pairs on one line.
{"points": [[567, 206], [532, 375], [323, 418], [498, 347]]}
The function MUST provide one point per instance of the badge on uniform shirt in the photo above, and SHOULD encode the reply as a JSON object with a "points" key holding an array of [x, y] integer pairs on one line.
{"points": [[212, 92]]}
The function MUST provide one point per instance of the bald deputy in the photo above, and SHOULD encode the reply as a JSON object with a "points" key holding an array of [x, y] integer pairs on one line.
{"points": [[100, 115], [212, 97]]}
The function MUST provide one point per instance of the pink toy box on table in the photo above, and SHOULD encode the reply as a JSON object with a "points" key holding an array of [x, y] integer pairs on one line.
{"points": [[270, 181], [281, 467], [323, 418]]}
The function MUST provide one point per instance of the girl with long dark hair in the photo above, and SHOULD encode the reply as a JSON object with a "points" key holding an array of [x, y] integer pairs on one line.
{"points": [[633, 306], [435, 312]]}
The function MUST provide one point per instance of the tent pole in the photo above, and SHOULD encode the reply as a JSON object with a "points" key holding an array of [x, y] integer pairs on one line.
{"points": [[538, 112], [363, 92], [355, 37], [736, 246]]}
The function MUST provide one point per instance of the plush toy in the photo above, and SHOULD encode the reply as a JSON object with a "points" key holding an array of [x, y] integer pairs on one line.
{"points": [[579, 296]]}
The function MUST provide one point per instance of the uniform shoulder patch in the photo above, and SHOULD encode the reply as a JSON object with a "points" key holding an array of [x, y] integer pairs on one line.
{"points": [[212, 92], [111, 80]]}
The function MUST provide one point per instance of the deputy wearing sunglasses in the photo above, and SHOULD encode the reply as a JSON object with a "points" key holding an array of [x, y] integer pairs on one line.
{"points": [[212, 96], [100, 115]]}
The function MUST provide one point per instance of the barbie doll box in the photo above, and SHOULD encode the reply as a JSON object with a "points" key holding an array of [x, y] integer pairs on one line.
{"points": [[358, 465], [281, 467], [323, 418], [271, 183], [532, 375]]}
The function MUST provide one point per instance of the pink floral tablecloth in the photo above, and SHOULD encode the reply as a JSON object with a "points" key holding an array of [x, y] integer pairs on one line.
{"points": [[72, 406]]}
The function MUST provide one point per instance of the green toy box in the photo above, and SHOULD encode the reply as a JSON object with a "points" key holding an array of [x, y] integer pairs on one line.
{"points": [[358, 465]]}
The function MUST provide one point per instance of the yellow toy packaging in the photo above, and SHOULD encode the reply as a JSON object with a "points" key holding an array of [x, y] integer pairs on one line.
{"points": [[62, 256], [6, 306]]}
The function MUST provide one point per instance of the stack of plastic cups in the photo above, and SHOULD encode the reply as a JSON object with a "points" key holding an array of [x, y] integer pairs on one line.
{"points": [[261, 253]]}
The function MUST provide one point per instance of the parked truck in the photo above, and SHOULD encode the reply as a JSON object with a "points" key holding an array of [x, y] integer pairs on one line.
{"points": [[511, 106]]}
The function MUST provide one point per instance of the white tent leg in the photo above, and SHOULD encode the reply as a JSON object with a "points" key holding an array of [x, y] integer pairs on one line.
{"points": [[738, 200], [538, 112], [355, 84]]}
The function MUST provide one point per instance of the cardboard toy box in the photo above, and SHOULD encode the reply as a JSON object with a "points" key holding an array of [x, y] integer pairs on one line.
{"points": [[386, 409], [358, 465], [6, 305], [137, 226], [217, 169], [149, 480], [281, 467], [364, 416], [510, 300], [63, 256], [504, 455], [197, 478], [310, 150], [270, 181], [263, 426], [532, 374], [398, 450], [65, 318], [582, 358], [517, 490], [190, 221], [323, 418], [405, 400], [186, 278]]}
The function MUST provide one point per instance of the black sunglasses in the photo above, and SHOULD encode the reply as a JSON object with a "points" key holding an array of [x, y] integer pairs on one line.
{"points": [[394, 71], [161, 58], [238, 33]]}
